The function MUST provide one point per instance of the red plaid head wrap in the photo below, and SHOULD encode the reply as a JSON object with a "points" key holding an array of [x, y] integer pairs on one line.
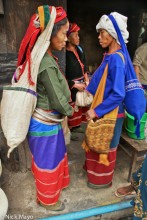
{"points": [[73, 27], [60, 14]]}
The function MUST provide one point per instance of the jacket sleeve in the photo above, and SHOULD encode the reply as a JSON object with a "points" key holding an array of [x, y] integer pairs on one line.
{"points": [[137, 60]]}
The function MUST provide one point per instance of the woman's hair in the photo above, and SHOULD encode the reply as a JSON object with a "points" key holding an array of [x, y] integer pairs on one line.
{"points": [[57, 26]]}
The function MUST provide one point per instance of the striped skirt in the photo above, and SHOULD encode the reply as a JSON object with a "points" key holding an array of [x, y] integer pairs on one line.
{"points": [[49, 160], [99, 174], [78, 117]]}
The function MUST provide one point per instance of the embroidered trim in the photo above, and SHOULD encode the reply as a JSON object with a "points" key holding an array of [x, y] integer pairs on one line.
{"points": [[132, 84]]}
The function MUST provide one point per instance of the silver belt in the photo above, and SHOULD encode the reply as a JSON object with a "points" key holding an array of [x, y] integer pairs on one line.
{"points": [[47, 116]]}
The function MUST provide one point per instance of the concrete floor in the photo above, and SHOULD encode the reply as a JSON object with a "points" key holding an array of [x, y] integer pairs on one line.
{"points": [[20, 189]]}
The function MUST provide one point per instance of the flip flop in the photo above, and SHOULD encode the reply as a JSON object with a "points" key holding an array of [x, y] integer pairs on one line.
{"points": [[117, 194]]}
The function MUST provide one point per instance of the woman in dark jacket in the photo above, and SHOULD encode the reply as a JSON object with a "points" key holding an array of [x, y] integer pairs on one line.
{"points": [[76, 75]]}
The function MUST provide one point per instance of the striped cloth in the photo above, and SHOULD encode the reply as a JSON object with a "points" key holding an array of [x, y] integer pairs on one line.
{"points": [[49, 160], [78, 117], [99, 174]]}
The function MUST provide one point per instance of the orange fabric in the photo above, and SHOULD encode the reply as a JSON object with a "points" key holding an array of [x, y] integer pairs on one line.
{"points": [[41, 17]]}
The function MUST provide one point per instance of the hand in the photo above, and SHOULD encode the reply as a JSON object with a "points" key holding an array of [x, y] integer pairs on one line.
{"points": [[86, 79], [90, 114], [80, 86]]}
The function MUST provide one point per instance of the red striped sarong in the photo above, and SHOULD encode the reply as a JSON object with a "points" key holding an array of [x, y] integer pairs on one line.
{"points": [[49, 160], [49, 183], [99, 174], [78, 117]]}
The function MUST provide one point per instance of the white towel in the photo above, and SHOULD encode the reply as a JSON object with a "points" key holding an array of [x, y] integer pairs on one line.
{"points": [[105, 23]]}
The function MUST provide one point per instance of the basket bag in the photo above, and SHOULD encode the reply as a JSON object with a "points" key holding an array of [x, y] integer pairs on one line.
{"points": [[99, 132], [19, 99], [83, 98]]}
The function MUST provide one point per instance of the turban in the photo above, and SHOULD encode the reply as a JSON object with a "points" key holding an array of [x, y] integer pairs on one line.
{"points": [[60, 14], [105, 23], [44, 15], [36, 26], [73, 27]]}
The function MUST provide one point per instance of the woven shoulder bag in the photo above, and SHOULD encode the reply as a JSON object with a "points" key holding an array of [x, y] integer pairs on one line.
{"points": [[99, 132], [19, 99]]}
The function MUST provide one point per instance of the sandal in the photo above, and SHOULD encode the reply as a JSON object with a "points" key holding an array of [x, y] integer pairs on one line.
{"points": [[59, 206], [125, 191]]}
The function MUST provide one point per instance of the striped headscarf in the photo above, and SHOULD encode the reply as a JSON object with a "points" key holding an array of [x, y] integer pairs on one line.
{"points": [[73, 27], [36, 26], [44, 15]]}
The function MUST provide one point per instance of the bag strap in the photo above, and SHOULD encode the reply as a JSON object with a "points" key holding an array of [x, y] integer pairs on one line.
{"points": [[79, 60], [120, 54], [98, 98]]}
